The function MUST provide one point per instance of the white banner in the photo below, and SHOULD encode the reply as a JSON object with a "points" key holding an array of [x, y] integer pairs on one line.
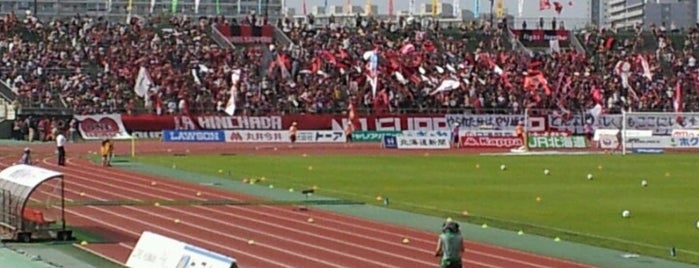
{"points": [[102, 126], [242, 136], [613, 132], [423, 142], [655, 142], [608, 141], [154, 250], [485, 121], [660, 124], [487, 133], [428, 133], [320, 136]]}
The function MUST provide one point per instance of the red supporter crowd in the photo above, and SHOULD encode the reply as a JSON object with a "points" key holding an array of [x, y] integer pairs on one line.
{"points": [[91, 66]]}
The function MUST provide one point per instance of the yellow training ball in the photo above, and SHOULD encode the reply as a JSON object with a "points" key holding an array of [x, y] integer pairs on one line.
{"points": [[83, 243]]}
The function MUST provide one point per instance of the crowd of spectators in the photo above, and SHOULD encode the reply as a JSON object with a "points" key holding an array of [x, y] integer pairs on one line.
{"points": [[90, 65]]}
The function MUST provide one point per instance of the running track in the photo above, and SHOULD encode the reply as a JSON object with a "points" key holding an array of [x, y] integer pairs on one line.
{"points": [[283, 236]]}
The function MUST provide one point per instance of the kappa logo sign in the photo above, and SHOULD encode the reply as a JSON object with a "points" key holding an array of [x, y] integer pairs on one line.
{"points": [[320, 136], [491, 142], [94, 127]]}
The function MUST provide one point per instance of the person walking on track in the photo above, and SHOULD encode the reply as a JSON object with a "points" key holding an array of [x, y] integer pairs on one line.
{"points": [[60, 148], [450, 246]]}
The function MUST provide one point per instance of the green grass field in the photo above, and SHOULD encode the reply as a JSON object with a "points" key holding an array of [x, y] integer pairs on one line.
{"points": [[663, 214]]}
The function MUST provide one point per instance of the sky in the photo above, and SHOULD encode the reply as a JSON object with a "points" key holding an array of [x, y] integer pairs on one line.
{"points": [[579, 9]]}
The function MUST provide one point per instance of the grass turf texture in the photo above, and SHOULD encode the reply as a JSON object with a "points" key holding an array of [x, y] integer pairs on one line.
{"points": [[663, 214]]}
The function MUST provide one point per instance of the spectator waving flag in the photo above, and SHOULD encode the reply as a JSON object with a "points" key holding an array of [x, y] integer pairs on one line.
{"points": [[143, 85], [230, 106], [544, 5], [373, 59], [677, 101]]}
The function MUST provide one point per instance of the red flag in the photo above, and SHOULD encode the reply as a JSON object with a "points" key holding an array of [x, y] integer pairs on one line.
{"points": [[557, 7], [544, 4], [609, 43]]}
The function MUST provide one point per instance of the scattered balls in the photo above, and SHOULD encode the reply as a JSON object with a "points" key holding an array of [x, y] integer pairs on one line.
{"points": [[275, 148], [315, 187], [291, 189], [251, 242], [599, 167], [557, 239], [83, 243], [82, 194], [153, 183], [697, 224], [406, 240], [644, 183], [538, 199], [311, 220], [220, 171], [198, 193], [271, 186], [520, 232], [379, 198], [304, 155], [546, 171], [625, 214], [169, 150], [177, 220], [449, 219], [310, 167], [503, 167], [478, 166], [465, 213], [156, 204], [427, 154], [589, 176]]}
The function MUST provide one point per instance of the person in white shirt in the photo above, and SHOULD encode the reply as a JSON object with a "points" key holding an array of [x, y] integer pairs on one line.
{"points": [[60, 143]]}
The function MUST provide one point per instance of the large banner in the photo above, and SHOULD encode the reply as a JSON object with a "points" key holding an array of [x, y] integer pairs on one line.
{"points": [[194, 136], [491, 142], [558, 142], [148, 123], [426, 133], [154, 250], [97, 127], [660, 124], [495, 122], [403, 142], [243, 136]]}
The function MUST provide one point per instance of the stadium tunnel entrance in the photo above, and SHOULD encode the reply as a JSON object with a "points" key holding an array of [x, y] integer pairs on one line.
{"points": [[32, 205]]}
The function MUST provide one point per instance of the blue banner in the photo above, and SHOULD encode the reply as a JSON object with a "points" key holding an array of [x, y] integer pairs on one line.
{"points": [[647, 151], [194, 136]]}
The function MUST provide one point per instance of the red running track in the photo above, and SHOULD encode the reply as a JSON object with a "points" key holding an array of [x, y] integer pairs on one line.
{"points": [[282, 236]]}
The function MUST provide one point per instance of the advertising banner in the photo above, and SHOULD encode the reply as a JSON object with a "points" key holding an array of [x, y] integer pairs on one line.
{"points": [[147, 134], [243, 136], [102, 126], [491, 142], [320, 136], [487, 133], [659, 124], [654, 142], [194, 136], [685, 133], [423, 142], [426, 133], [390, 142], [608, 141], [154, 250], [684, 143], [372, 136], [558, 142]]}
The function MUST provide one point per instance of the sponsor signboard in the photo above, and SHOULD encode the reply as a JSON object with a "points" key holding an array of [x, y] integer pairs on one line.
{"points": [[97, 127], [155, 250], [490, 142], [257, 136], [647, 151], [372, 136], [390, 142], [426, 133], [685, 133], [320, 136], [653, 142], [608, 141], [375, 123], [208, 122], [423, 142], [558, 142], [542, 38], [194, 136], [686, 143], [147, 134]]}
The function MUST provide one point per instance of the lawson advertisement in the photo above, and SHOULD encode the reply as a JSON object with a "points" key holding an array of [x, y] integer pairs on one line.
{"points": [[194, 136]]}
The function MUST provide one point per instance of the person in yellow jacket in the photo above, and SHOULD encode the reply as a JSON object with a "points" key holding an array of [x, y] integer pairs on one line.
{"points": [[107, 152]]}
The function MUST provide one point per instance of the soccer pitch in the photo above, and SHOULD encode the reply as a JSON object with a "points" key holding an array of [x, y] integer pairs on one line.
{"points": [[564, 203]]}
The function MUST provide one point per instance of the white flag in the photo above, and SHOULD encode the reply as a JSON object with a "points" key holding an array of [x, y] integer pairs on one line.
{"points": [[196, 6], [143, 83], [447, 85], [152, 6], [230, 106]]}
